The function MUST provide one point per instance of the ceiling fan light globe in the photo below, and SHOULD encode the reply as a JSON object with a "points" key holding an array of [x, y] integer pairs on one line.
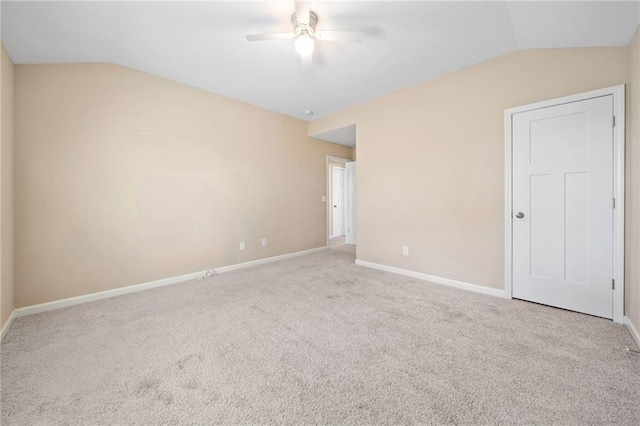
{"points": [[304, 45]]}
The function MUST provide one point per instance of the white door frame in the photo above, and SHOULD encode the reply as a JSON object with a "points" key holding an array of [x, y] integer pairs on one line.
{"points": [[351, 208], [328, 189], [618, 188]]}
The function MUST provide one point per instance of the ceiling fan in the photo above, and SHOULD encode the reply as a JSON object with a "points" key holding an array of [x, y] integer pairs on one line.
{"points": [[304, 32]]}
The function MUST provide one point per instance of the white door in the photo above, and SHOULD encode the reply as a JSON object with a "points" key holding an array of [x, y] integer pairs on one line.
{"points": [[563, 206], [351, 202], [337, 198]]}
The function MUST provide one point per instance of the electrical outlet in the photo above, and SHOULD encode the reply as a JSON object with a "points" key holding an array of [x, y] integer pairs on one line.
{"points": [[264, 242], [405, 250], [242, 245]]}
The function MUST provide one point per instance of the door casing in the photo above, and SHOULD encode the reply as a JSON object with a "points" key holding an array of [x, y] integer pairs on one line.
{"points": [[618, 187], [350, 202]]}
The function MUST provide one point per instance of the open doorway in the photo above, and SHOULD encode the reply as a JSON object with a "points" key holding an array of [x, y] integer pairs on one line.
{"points": [[341, 230], [341, 204]]}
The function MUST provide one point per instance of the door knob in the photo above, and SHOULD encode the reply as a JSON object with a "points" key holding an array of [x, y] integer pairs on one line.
{"points": [[519, 215], [335, 206]]}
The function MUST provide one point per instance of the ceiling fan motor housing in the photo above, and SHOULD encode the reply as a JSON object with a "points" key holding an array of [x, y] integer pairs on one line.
{"points": [[301, 28]]}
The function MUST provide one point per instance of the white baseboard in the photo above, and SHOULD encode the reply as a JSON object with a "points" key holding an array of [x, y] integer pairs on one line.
{"points": [[267, 260], [7, 325], [63, 303], [632, 330], [431, 278], [71, 301]]}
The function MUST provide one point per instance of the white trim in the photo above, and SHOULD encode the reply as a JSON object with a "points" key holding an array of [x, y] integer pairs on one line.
{"points": [[337, 159], [431, 278], [613, 90], [618, 192], [329, 190], [63, 303], [257, 262], [8, 324], [71, 301], [508, 222], [633, 331]]}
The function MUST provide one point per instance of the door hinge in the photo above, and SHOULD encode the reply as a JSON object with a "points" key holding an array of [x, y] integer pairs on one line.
{"points": [[614, 121], [613, 284], [614, 203]]}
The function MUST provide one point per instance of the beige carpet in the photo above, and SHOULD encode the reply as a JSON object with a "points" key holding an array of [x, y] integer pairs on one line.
{"points": [[340, 244], [317, 339]]}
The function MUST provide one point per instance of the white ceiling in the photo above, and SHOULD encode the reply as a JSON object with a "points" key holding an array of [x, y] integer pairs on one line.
{"points": [[203, 43]]}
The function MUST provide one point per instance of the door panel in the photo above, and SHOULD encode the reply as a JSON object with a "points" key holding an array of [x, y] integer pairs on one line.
{"points": [[541, 229], [576, 188], [563, 185], [337, 198]]}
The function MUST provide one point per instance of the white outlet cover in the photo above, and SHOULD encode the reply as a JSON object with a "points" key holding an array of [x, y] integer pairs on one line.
{"points": [[242, 245], [264, 242], [405, 250]]}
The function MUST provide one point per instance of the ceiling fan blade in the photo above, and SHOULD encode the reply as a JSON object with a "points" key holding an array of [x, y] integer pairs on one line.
{"points": [[302, 12], [307, 61], [274, 36], [346, 36]]}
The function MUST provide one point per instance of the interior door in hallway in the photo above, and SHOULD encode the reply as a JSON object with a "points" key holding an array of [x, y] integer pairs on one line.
{"points": [[337, 198], [562, 207]]}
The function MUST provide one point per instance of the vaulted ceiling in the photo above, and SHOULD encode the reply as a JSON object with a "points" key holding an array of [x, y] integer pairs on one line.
{"points": [[203, 44]]}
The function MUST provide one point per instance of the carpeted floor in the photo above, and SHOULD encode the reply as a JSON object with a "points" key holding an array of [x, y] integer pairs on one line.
{"points": [[317, 339], [340, 244]]}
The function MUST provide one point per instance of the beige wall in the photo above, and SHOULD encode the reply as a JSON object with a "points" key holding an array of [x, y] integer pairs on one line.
{"points": [[122, 177], [129, 178], [632, 299], [431, 158], [6, 185]]}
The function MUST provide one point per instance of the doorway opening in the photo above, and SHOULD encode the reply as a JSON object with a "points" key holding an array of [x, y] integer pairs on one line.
{"points": [[341, 204]]}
